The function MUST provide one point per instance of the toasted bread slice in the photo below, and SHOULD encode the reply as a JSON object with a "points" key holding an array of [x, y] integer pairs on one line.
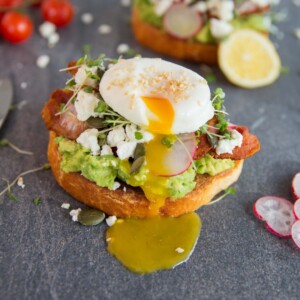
{"points": [[132, 202], [161, 42]]}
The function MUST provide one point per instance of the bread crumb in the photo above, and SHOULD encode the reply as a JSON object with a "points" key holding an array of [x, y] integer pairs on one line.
{"points": [[65, 205], [179, 250], [104, 29], [20, 182], [74, 213], [110, 221], [87, 18], [43, 61]]}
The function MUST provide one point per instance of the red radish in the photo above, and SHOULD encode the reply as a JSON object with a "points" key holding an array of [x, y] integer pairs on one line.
{"points": [[296, 233], [232, 126], [296, 186], [277, 213], [182, 21], [297, 209]]}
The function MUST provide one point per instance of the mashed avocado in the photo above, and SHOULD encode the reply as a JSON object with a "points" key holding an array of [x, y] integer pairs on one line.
{"points": [[254, 21], [212, 166], [147, 13], [103, 170]]}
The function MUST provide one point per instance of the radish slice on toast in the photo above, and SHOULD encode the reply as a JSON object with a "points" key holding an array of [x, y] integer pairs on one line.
{"points": [[296, 233], [296, 186], [277, 213], [297, 209], [182, 21]]}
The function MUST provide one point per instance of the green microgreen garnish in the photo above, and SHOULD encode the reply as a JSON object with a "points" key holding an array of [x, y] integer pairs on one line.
{"points": [[37, 201], [211, 78], [138, 135], [229, 191], [169, 140], [88, 89], [6, 142], [284, 70], [101, 107]]}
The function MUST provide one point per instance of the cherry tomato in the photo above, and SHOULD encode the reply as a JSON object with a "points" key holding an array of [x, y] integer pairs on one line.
{"points": [[10, 3], [58, 12], [16, 27]]}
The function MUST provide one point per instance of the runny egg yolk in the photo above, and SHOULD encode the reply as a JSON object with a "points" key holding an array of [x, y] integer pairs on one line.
{"points": [[164, 115]]}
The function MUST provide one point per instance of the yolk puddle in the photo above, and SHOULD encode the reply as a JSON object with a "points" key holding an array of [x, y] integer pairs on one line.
{"points": [[148, 245], [164, 112]]}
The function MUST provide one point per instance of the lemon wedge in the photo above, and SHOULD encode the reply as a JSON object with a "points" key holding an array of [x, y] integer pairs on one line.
{"points": [[249, 59]]}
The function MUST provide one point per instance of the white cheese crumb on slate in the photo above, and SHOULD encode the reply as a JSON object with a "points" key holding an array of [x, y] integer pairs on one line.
{"points": [[53, 39], [110, 221], [74, 214], [43, 61], [122, 48], [87, 18], [297, 33], [20, 182], [24, 85], [65, 205], [46, 29], [104, 29], [125, 3], [116, 185], [179, 250]]}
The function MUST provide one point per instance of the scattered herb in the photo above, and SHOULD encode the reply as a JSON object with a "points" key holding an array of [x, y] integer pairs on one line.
{"points": [[12, 197], [86, 49], [284, 70], [169, 140], [88, 89], [138, 135], [71, 82], [6, 142], [37, 201], [211, 78], [229, 191], [101, 107]]}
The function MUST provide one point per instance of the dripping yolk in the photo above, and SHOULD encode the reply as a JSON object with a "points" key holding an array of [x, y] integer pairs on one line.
{"points": [[163, 111]]}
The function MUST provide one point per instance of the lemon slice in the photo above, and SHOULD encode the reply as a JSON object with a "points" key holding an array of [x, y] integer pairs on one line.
{"points": [[249, 59]]}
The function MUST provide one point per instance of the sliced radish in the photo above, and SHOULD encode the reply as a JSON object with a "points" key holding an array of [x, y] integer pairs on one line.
{"points": [[297, 209], [182, 21], [296, 186], [296, 233], [277, 213], [164, 161]]}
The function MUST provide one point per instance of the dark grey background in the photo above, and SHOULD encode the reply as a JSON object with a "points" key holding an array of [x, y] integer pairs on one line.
{"points": [[44, 255]]}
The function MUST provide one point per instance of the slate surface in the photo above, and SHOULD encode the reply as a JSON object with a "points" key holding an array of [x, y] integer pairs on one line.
{"points": [[44, 255]]}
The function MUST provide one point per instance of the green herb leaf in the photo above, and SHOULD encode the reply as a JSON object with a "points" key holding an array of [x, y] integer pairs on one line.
{"points": [[101, 107], [37, 201], [88, 89], [169, 140], [211, 78], [138, 135], [229, 191], [46, 166], [4, 142], [284, 70], [11, 196], [71, 83]]}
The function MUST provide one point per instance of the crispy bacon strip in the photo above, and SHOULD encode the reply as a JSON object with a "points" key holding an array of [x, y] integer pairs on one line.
{"points": [[65, 124]]}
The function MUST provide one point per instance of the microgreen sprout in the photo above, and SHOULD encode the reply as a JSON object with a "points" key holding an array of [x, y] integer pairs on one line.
{"points": [[229, 191], [37, 201], [6, 142]]}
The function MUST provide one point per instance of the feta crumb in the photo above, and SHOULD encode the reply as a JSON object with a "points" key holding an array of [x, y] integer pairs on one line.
{"points": [[24, 85], [261, 3], [161, 6], [126, 149], [46, 29], [21, 104], [122, 48], [297, 33], [116, 185], [87, 18], [221, 9], [131, 129], [43, 61], [110, 221], [125, 3], [65, 205], [106, 150], [227, 146], [74, 213], [124, 189], [220, 28], [81, 76], [89, 139], [20, 182], [116, 136], [53, 39], [85, 105], [104, 29], [200, 7], [179, 250]]}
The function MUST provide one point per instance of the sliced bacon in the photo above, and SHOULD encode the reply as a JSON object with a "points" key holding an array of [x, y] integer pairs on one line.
{"points": [[65, 124]]}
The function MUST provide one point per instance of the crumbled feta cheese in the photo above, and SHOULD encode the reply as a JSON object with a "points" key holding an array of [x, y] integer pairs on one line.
{"points": [[227, 146], [125, 3], [116, 136], [124, 189], [110, 221], [200, 7], [89, 139], [122, 48], [46, 29], [179, 250], [43, 61], [261, 3], [116, 185], [85, 105], [161, 6], [21, 104], [24, 85], [74, 213], [81, 76], [20, 182], [297, 33], [104, 29], [106, 150], [221, 9], [53, 39], [87, 18], [65, 205], [220, 28], [126, 149], [296, 2], [130, 134]]}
